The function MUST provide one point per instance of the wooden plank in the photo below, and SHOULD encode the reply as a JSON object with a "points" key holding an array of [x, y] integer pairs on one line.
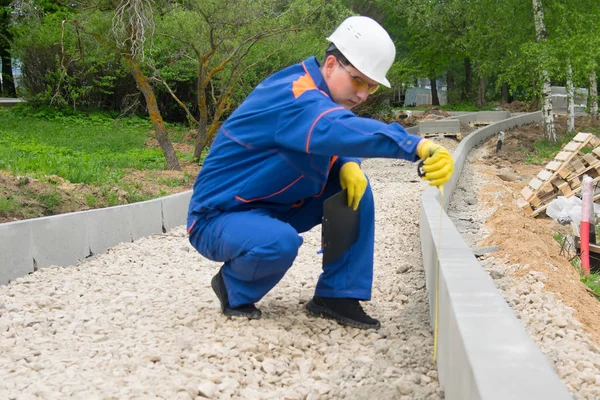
{"points": [[564, 156], [566, 190], [535, 183], [521, 202], [596, 151], [535, 201], [562, 185], [545, 189], [572, 146], [574, 182], [527, 193], [554, 165], [544, 175], [564, 172], [548, 196], [558, 183], [577, 166], [582, 137], [590, 159], [594, 141]]}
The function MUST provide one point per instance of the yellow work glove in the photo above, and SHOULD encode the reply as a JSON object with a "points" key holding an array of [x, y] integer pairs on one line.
{"points": [[353, 179], [438, 164]]}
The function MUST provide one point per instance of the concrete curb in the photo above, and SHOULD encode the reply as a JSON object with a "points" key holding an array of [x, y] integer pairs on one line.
{"points": [[67, 238], [9, 102], [483, 350]]}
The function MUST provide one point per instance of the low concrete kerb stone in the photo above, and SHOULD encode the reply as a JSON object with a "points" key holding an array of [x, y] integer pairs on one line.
{"points": [[65, 239], [483, 350]]}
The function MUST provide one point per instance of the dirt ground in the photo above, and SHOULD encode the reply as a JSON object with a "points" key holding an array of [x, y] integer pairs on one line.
{"points": [[23, 197], [525, 240]]}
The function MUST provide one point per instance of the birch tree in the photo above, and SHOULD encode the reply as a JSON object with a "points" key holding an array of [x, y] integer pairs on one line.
{"points": [[542, 36], [593, 96], [570, 100]]}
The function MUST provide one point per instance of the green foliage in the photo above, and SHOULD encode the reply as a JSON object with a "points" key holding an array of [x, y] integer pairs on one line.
{"points": [[186, 180], [593, 282], [65, 65], [545, 150], [91, 200], [91, 148], [49, 201], [62, 66], [7, 206]]}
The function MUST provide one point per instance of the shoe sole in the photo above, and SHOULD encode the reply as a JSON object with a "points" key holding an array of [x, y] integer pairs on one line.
{"points": [[325, 312], [230, 312]]}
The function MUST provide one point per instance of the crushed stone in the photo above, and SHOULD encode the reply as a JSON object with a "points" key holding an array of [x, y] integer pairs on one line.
{"points": [[141, 321]]}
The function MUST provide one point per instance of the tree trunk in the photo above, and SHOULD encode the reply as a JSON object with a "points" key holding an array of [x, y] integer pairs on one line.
{"points": [[435, 100], [202, 140], [468, 79], [570, 101], [450, 80], [481, 94], [548, 115], [505, 93], [451, 92], [593, 97], [8, 82], [155, 117]]}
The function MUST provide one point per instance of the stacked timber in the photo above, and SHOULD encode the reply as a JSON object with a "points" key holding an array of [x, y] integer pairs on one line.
{"points": [[563, 175]]}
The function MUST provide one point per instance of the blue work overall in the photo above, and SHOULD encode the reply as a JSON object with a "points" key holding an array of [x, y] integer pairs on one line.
{"points": [[273, 163]]}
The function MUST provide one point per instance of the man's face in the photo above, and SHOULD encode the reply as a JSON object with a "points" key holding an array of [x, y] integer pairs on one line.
{"points": [[347, 85]]}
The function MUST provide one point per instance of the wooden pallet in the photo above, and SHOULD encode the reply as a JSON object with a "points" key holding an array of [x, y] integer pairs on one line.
{"points": [[563, 175], [457, 136]]}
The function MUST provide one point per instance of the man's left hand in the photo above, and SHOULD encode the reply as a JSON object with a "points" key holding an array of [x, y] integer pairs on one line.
{"points": [[354, 180], [438, 164]]}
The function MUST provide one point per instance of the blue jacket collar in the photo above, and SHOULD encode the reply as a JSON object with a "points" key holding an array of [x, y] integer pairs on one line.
{"points": [[312, 65]]}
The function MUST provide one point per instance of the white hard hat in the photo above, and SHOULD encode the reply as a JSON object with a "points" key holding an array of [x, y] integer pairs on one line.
{"points": [[366, 45]]}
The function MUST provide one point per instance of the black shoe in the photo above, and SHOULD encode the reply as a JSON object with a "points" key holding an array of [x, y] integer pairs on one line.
{"points": [[245, 310], [345, 311]]}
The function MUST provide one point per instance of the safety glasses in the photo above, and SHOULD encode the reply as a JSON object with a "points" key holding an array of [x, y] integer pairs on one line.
{"points": [[359, 82]]}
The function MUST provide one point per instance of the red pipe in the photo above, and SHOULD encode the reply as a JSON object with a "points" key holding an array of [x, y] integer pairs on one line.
{"points": [[585, 247], [586, 208]]}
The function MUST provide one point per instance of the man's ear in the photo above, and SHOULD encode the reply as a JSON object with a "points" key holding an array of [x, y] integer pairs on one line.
{"points": [[329, 65]]}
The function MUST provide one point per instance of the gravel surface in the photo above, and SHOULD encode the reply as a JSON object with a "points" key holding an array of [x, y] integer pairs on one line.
{"points": [[548, 321], [141, 321]]}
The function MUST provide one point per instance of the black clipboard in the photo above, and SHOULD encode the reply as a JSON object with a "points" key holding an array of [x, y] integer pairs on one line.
{"points": [[340, 226]]}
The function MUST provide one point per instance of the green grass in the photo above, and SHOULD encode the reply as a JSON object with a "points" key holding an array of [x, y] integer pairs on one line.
{"points": [[81, 148], [7, 206], [593, 282], [545, 150], [91, 200], [186, 180], [49, 200]]}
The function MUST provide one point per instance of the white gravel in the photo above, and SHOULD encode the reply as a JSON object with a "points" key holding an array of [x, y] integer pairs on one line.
{"points": [[549, 322], [141, 321]]}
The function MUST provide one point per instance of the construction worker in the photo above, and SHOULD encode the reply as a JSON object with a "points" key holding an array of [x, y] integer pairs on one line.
{"points": [[289, 146]]}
